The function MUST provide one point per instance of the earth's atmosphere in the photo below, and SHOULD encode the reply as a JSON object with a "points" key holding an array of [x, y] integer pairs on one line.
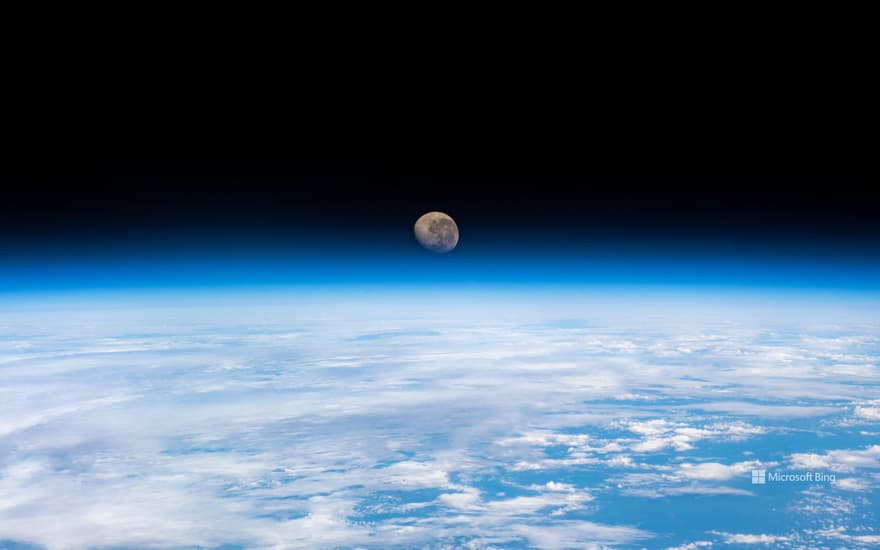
{"points": [[322, 419]]}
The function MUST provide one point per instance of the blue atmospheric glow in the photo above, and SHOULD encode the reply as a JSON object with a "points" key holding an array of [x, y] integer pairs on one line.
{"points": [[271, 399], [154, 270]]}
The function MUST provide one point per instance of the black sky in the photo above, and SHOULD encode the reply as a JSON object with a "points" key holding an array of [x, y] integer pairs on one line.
{"points": [[742, 124]]}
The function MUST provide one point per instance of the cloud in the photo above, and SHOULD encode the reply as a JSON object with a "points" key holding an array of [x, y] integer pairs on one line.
{"points": [[660, 434], [578, 534], [412, 474], [744, 538], [546, 438], [764, 410], [466, 499], [839, 460], [661, 484], [554, 486], [868, 413], [839, 533], [562, 496], [852, 484], [692, 545], [695, 489], [715, 470]]}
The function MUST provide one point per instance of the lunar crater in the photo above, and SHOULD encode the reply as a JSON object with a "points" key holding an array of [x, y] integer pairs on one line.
{"points": [[436, 231]]}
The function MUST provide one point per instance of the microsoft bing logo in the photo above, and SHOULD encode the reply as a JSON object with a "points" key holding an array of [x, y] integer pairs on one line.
{"points": [[761, 477]]}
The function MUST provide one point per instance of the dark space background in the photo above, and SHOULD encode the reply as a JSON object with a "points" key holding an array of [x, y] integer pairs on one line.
{"points": [[330, 130]]}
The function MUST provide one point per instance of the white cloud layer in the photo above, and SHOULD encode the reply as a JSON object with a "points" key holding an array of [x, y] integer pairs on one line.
{"points": [[838, 460], [281, 426]]}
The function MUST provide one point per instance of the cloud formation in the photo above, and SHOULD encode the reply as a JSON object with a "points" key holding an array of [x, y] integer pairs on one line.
{"points": [[281, 425]]}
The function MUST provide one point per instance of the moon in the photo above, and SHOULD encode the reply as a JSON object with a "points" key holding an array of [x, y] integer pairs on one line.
{"points": [[436, 232]]}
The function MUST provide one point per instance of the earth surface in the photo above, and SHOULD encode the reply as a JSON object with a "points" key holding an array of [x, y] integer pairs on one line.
{"points": [[370, 421]]}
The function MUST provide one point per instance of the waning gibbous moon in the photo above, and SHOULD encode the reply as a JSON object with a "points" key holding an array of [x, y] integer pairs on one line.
{"points": [[436, 231]]}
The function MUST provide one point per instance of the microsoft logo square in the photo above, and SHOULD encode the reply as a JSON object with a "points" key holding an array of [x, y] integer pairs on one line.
{"points": [[759, 476]]}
